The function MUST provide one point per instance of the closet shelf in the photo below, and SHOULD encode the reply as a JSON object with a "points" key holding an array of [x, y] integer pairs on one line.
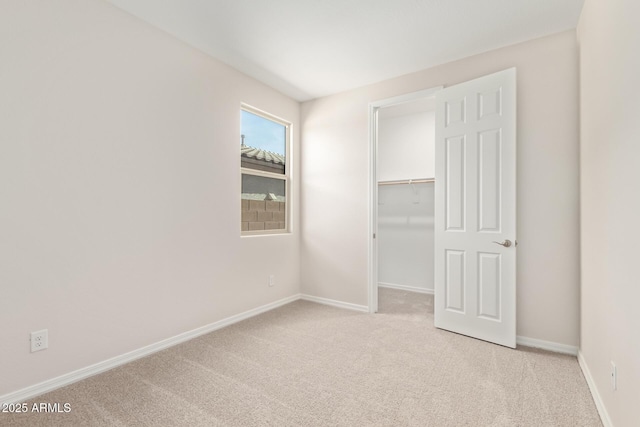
{"points": [[407, 181]]}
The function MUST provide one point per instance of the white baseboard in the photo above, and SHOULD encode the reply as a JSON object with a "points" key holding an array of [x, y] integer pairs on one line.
{"points": [[89, 371], [405, 288], [334, 303], [602, 410], [547, 345]]}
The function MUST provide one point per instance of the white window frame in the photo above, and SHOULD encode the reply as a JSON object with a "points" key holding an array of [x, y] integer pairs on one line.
{"points": [[286, 177]]}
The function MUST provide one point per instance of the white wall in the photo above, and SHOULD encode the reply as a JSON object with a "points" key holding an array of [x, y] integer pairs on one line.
{"points": [[119, 189], [609, 38], [335, 173], [406, 146], [405, 235]]}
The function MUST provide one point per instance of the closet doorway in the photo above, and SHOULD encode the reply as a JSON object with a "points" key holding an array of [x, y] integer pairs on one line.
{"points": [[474, 204], [404, 177]]}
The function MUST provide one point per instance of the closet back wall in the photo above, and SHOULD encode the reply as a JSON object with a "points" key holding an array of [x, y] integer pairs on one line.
{"points": [[406, 145], [405, 236]]}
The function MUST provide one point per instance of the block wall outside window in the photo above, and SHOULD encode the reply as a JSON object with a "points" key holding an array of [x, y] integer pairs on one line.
{"points": [[263, 215]]}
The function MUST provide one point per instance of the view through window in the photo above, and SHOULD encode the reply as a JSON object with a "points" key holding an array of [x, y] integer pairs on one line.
{"points": [[265, 175]]}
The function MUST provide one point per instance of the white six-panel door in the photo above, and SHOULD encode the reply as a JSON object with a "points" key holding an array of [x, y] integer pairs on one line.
{"points": [[475, 215]]}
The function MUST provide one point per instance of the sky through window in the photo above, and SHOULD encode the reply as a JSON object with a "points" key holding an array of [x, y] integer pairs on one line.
{"points": [[263, 133]]}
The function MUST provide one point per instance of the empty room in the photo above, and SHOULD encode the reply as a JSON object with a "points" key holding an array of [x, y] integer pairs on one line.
{"points": [[319, 213]]}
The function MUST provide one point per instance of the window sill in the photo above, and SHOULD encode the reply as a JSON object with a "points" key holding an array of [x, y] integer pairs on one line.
{"points": [[265, 233]]}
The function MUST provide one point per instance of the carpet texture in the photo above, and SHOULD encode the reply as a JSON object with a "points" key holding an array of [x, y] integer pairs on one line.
{"points": [[306, 364]]}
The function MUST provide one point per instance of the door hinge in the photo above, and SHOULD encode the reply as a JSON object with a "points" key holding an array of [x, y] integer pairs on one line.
{"points": [[374, 235]]}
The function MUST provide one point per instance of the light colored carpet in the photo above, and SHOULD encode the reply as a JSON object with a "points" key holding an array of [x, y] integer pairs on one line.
{"points": [[305, 364]]}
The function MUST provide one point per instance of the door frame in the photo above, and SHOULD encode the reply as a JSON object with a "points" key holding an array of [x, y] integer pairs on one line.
{"points": [[373, 184]]}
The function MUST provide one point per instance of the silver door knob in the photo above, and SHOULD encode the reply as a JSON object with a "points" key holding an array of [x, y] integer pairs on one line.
{"points": [[506, 243]]}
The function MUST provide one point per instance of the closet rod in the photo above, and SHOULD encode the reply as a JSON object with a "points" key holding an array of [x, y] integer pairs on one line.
{"points": [[407, 181]]}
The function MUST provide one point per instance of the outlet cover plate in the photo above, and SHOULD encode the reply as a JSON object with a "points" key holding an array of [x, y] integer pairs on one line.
{"points": [[39, 340]]}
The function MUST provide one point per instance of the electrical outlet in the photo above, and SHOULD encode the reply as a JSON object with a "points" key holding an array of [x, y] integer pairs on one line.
{"points": [[272, 280], [39, 340], [614, 376]]}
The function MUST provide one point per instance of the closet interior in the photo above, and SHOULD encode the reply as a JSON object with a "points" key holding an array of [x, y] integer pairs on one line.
{"points": [[405, 176]]}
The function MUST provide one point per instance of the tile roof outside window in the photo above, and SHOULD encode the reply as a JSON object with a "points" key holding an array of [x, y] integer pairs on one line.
{"points": [[258, 154]]}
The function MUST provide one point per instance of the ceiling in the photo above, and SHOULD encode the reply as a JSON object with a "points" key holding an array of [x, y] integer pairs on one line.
{"points": [[312, 48]]}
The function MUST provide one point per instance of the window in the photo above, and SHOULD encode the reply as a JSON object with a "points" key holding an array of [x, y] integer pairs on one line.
{"points": [[264, 147]]}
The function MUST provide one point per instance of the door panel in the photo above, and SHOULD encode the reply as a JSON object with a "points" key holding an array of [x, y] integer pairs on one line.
{"points": [[489, 285], [475, 288], [489, 180], [455, 181], [454, 281], [455, 111]]}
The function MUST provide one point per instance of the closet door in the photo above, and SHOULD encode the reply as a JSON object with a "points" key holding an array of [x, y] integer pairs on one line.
{"points": [[475, 215]]}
